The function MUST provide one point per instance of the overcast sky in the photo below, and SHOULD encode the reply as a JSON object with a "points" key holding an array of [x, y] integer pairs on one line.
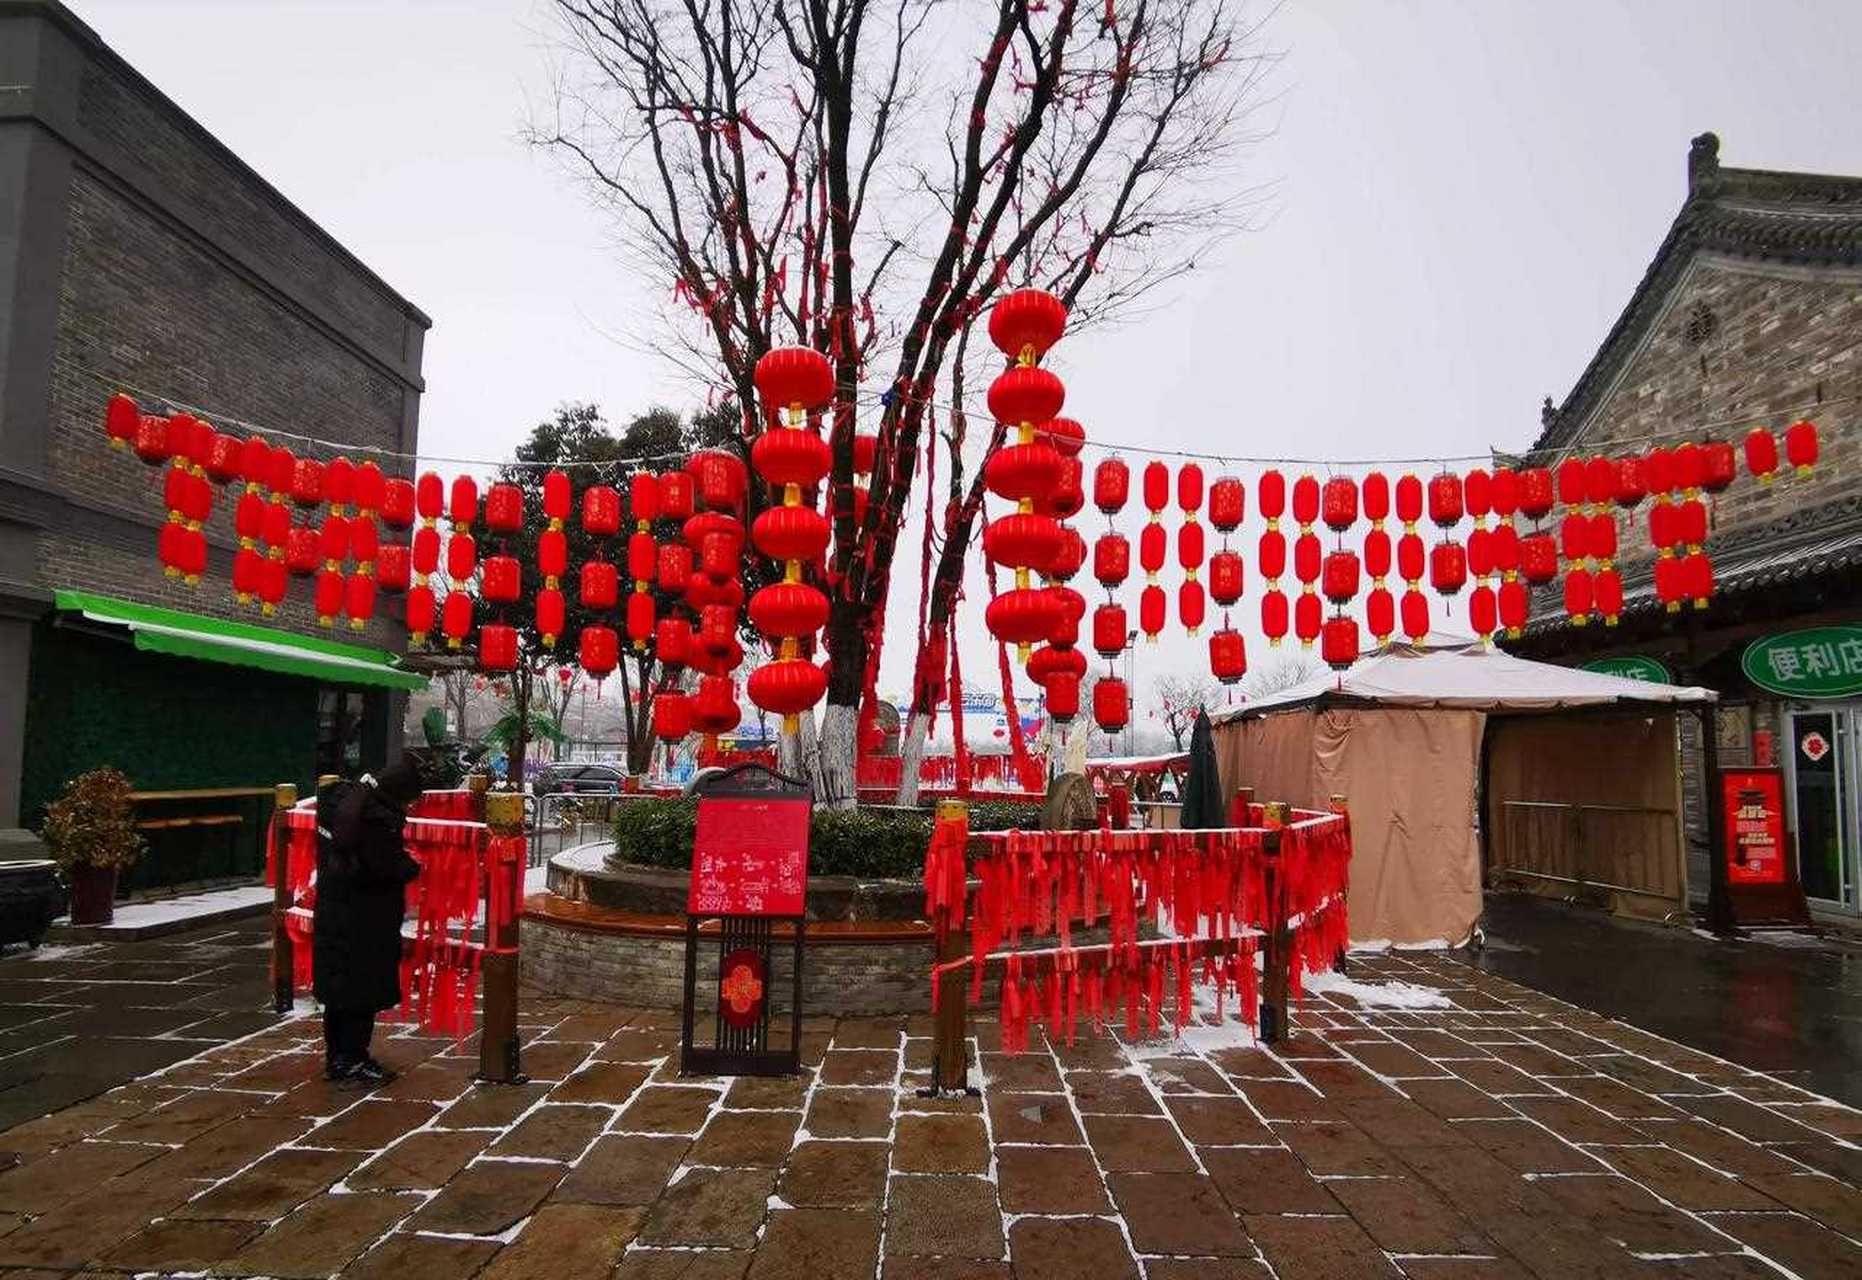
{"points": [[1466, 194]]}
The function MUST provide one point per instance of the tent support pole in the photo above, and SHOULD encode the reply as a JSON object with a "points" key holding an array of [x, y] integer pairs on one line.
{"points": [[1719, 903]]}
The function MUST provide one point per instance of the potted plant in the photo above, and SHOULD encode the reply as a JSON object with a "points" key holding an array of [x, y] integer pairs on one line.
{"points": [[90, 831]]}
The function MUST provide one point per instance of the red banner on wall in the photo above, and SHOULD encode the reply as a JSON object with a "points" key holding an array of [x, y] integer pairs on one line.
{"points": [[1752, 802], [750, 856]]}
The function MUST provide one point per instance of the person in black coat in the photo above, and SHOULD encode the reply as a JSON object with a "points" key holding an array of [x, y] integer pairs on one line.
{"points": [[362, 872]]}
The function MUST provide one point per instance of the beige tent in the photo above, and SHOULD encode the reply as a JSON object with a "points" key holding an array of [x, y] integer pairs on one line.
{"points": [[1581, 792]]}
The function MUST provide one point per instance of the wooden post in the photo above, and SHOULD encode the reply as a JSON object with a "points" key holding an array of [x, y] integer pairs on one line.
{"points": [[1338, 806], [1239, 806], [1276, 1022], [498, 1043], [950, 1065], [284, 961]]}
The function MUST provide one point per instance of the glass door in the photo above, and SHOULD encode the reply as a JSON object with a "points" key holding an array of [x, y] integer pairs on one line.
{"points": [[1823, 786]]}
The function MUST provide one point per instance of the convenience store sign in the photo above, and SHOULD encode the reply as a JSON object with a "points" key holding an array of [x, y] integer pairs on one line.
{"points": [[1818, 662]]}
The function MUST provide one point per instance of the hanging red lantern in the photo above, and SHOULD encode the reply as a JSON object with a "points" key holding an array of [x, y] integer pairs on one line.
{"points": [[1023, 473], [797, 379], [1151, 608], [255, 463], [601, 511], [1190, 490], [1573, 482], [1607, 595], [788, 609], [420, 611], [1022, 617], [1718, 466], [1800, 446], [364, 542], [1538, 558], [461, 558], [598, 650], [1308, 615], [552, 556], [1018, 540], [801, 533], [1025, 323], [429, 495], [600, 585], [643, 497], [426, 552], [307, 483], [1483, 612], [1307, 555], [333, 541], [1063, 696], [1190, 605], [1477, 495], [248, 568], [672, 716], [1190, 548], [1153, 544], [1025, 396], [719, 478], [642, 558], [397, 503], [328, 598], [1415, 615], [1688, 467], [1227, 504], [249, 519], [1271, 556], [462, 508], [1339, 503], [1111, 705], [673, 571], [339, 484], [1225, 578], [120, 417], [1156, 488], [1515, 607], [715, 710], [497, 647], [1670, 583], [1448, 567], [1574, 536], [1600, 477], [1691, 523], [557, 498], [1762, 454], [1340, 577], [456, 618], [1504, 543], [1579, 595], [1480, 553], [1111, 485], [500, 581], [1228, 655], [1306, 502], [672, 640], [788, 687], [675, 496], [1505, 492], [1412, 559], [1069, 556], [1274, 617], [504, 509], [550, 613], [301, 552], [392, 570], [1600, 541], [1377, 554], [1630, 487], [1445, 499], [1409, 502], [1271, 492], [1535, 492], [1109, 630], [1380, 614], [223, 458], [1375, 491], [1341, 645], [641, 615], [1111, 559], [1658, 472]]}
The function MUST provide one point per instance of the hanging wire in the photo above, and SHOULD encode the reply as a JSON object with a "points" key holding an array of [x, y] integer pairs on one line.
{"points": [[884, 399]]}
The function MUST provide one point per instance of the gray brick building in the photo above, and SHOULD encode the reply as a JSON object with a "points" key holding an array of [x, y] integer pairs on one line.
{"points": [[137, 252], [1749, 315]]}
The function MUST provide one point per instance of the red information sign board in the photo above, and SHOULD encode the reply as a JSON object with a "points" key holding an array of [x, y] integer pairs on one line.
{"points": [[750, 856], [1752, 801]]}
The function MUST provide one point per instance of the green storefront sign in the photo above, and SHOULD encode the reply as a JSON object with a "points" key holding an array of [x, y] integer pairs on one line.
{"points": [[1818, 662], [1632, 667]]}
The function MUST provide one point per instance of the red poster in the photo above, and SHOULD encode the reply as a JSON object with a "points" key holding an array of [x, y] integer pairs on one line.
{"points": [[750, 856], [1753, 804]]}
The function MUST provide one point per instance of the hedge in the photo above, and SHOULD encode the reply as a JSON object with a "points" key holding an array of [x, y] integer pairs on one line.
{"points": [[866, 842]]}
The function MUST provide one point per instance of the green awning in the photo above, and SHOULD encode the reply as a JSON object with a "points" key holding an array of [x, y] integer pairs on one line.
{"points": [[192, 635]]}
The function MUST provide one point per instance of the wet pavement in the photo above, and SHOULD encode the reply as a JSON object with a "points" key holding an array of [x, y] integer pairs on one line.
{"points": [[75, 1020], [1428, 1120], [1778, 1002]]}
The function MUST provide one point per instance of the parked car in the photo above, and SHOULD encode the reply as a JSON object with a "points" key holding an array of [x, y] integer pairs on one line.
{"points": [[578, 779]]}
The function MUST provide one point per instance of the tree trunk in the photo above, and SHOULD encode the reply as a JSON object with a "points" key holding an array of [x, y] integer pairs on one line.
{"points": [[840, 733], [912, 756], [520, 741]]}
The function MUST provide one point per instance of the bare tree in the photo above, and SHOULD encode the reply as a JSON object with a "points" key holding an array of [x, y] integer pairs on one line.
{"points": [[1284, 672], [1180, 697], [865, 178]]}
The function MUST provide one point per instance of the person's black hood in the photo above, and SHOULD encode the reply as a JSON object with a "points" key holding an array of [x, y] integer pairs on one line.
{"points": [[400, 784]]}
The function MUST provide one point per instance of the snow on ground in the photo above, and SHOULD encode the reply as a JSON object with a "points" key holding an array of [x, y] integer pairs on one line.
{"points": [[1378, 995], [188, 906]]}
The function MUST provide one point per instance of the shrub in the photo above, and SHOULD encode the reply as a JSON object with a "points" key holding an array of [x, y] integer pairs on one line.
{"points": [[1004, 815], [93, 824], [870, 843]]}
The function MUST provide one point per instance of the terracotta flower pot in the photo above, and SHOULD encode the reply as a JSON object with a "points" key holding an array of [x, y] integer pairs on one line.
{"points": [[93, 895]]}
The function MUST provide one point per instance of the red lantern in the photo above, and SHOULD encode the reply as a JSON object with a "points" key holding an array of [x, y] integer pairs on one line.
{"points": [[456, 618], [1153, 544], [1573, 482], [120, 417], [1483, 612], [1111, 485], [333, 541], [1020, 540], [643, 497], [601, 511], [1538, 558], [674, 568], [1477, 494], [720, 479], [1535, 492], [1306, 502], [1228, 655], [1341, 644], [599, 650], [641, 615], [672, 716], [1505, 492], [500, 580], [429, 494], [307, 483], [1579, 595], [1445, 499], [1023, 472], [463, 506], [1480, 553], [1448, 567], [1574, 535], [1376, 494], [1691, 522], [1225, 577], [1505, 544], [248, 569], [1600, 477], [1341, 576], [1274, 617], [329, 597], [1800, 446], [1308, 616], [600, 585], [1409, 501], [1377, 554], [1025, 323], [1026, 395], [1412, 559], [672, 640], [1718, 466], [497, 647], [715, 709], [1190, 490], [1151, 607], [1658, 472], [1339, 503], [1688, 468], [1601, 540], [1670, 587], [1415, 615], [364, 541], [223, 458], [1020, 617], [461, 557], [1111, 559], [1762, 454], [1380, 614], [1272, 556], [1307, 555], [1271, 491], [1063, 696], [1190, 548], [392, 570], [787, 688], [557, 497], [420, 611], [1190, 605], [301, 551], [1109, 630], [397, 503], [255, 464], [1697, 577], [788, 609], [1070, 555], [1111, 705], [1631, 488], [1156, 488], [642, 556], [675, 496], [504, 508], [798, 379], [551, 609], [1607, 595], [1227, 504]]}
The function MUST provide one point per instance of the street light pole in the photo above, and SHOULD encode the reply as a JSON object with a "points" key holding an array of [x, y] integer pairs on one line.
{"points": [[1131, 688]]}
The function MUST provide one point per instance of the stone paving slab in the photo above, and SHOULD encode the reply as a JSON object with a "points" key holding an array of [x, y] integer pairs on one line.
{"points": [[1496, 1133]]}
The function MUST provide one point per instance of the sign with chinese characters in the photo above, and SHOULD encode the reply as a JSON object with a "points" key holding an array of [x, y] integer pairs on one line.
{"points": [[1631, 667], [1814, 746], [1752, 801], [1818, 662], [750, 856], [740, 987]]}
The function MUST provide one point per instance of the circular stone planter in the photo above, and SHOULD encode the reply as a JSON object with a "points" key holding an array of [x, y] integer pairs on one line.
{"points": [[617, 933]]}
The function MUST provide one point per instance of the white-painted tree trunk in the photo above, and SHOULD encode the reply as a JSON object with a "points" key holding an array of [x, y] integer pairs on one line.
{"points": [[795, 751], [911, 757], [840, 739]]}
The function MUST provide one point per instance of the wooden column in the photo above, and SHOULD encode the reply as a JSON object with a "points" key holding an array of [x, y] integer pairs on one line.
{"points": [[498, 1043], [1338, 806], [1238, 806], [950, 1066], [1276, 964], [284, 795]]}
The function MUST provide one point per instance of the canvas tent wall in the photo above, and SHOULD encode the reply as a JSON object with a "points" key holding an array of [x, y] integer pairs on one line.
{"points": [[1401, 735]]}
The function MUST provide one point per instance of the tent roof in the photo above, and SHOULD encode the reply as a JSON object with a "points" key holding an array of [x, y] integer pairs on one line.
{"points": [[1472, 678]]}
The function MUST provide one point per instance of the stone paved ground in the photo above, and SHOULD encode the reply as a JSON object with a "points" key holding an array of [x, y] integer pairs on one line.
{"points": [[1506, 1134]]}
